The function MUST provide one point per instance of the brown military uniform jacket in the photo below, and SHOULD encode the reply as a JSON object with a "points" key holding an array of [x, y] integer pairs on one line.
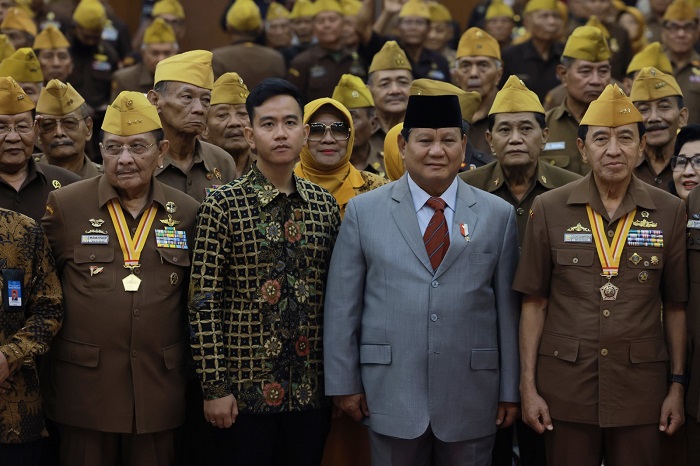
{"points": [[477, 135], [603, 362], [30, 200], [132, 78], [316, 71], [376, 153], [92, 72], [252, 62], [645, 172], [688, 79], [118, 364], [490, 178], [561, 149], [213, 167], [538, 74], [692, 400], [89, 169]]}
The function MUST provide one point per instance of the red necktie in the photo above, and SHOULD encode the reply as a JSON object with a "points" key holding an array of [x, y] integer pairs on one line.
{"points": [[437, 235]]}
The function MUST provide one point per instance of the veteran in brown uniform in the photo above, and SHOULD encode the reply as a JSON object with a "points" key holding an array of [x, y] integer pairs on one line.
{"points": [[64, 128], [51, 48], [651, 55], [584, 71], [24, 184], [600, 258], [182, 95], [660, 101], [122, 247], [24, 67]]}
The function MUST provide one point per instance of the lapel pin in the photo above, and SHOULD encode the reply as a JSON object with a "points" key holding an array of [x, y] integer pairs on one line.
{"points": [[464, 229]]}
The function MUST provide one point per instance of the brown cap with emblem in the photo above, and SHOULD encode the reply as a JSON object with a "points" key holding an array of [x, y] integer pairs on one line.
{"points": [[612, 109], [131, 113], [352, 92], [58, 99], [476, 42], [652, 84], [390, 57], [229, 89], [23, 66], [13, 100]]}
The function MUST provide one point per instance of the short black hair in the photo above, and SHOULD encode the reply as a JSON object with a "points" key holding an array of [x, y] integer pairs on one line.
{"points": [[539, 118], [583, 131], [687, 134], [272, 87]]}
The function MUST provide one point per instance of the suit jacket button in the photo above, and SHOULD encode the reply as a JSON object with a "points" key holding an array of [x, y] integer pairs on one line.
{"points": [[434, 284], [434, 317]]}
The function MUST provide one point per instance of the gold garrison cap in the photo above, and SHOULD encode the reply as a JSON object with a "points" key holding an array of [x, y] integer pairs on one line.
{"points": [[193, 67], [6, 47], [468, 101], [90, 14], [652, 55], [17, 18], [159, 32], [595, 22], [612, 109], [58, 99], [327, 5], [229, 89], [302, 9], [393, 163], [498, 9], [352, 92], [244, 16], [50, 38], [168, 7], [476, 42], [651, 84], [534, 5], [415, 8], [439, 13], [390, 57], [587, 43], [515, 97], [13, 100], [23, 66], [351, 7], [680, 10], [277, 11], [131, 113]]}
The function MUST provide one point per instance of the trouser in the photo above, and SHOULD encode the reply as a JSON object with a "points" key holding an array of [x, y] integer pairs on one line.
{"points": [[21, 454]]}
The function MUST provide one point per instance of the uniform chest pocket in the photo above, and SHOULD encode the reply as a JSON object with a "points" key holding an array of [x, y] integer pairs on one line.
{"points": [[558, 160], [644, 266], [95, 266], [574, 270], [172, 274]]}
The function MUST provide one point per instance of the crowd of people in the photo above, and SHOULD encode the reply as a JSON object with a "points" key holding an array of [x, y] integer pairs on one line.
{"points": [[354, 235]]}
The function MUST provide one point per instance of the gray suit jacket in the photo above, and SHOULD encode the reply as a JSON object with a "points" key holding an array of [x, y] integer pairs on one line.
{"points": [[425, 348]]}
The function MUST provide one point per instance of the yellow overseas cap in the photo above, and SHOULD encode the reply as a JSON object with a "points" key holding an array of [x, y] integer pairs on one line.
{"points": [[23, 66], [393, 163], [50, 38], [58, 99], [168, 7], [390, 57], [352, 92], [302, 9], [244, 16], [193, 67], [651, 84], [229, 89], [327, 5], [6, 47], [515, 97], [17, 18], [595, 22], [612, 109], [587, 43], [680, 10], [276, 11], [90, 14], [131, 113], [498, 9], [351, 7], [415, 8], [534, 5], [159, 32], [468, 101], [13, 100], [439, 13], [476, 42], [652, 55]]}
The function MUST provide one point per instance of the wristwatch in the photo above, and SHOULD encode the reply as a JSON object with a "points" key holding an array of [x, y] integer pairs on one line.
{"points": [[678, 378]]}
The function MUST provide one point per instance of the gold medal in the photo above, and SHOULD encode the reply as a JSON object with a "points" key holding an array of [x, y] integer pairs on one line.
{"points": [[643, 277], [636, 258], [609, 291], [131, 282]]}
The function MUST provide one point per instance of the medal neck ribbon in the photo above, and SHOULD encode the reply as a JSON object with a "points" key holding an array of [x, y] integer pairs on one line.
{"points": [[609, 253], [131, 247]]}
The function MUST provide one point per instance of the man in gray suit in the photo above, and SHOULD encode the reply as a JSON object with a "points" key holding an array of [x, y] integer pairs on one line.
{"points": [[423, 346]]}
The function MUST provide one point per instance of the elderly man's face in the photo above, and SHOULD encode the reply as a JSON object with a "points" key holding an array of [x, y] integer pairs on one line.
{"points": [[33, 90], [612, 153], [480, 74], [433, 156], [55, 63], [18, 38], [328, 27], [413, 30], [440, 33], [517, 139], [544, 24], [585, 80], [183, 107], [662, 120], [17, 134], [362, 121], [303, 28], [279, 33], [64, 137], [153, 54], [390, 90], [225, 127], [500, 27], [679, 36], [127, 171]]}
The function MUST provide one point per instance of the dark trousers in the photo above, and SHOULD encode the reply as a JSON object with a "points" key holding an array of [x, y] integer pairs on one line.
{"points": [[22, 454], [530, 445], [198, 445], [576, 444], [503, 448]]}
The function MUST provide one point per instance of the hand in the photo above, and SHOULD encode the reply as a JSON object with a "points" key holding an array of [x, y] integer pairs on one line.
{"points": [[536, 412], [4, 368], [672, 411], [507, 414], [222, 412], [393, 6], [354, 405]]}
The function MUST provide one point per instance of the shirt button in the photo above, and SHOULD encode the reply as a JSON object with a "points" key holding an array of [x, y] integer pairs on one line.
{"points": [[92, 257], [18, 198], [556, 353], [189, 182], [137, 312], [520, 211], [134, 353], [434, 284], [575, 260], [604, 352], [174, 259], [606, 313], [611, 233], [658, 180], [434, 317]]}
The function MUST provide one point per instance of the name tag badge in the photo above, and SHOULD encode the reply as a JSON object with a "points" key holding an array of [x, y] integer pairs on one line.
{"points": [[578, 237], [101, 66], [694, 224], [14, 293], [317, 71], [557, 145], [94, 239]]}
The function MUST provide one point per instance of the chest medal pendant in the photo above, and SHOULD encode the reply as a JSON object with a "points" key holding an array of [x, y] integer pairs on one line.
{"points": [[609, 291], [131, 282]]}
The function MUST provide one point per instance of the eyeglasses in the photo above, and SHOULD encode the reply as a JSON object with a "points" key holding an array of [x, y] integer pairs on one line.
{"points": [[22, 128], [339, 131], [679, 162], [675, 28], [49, 125], [134, 149]]}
